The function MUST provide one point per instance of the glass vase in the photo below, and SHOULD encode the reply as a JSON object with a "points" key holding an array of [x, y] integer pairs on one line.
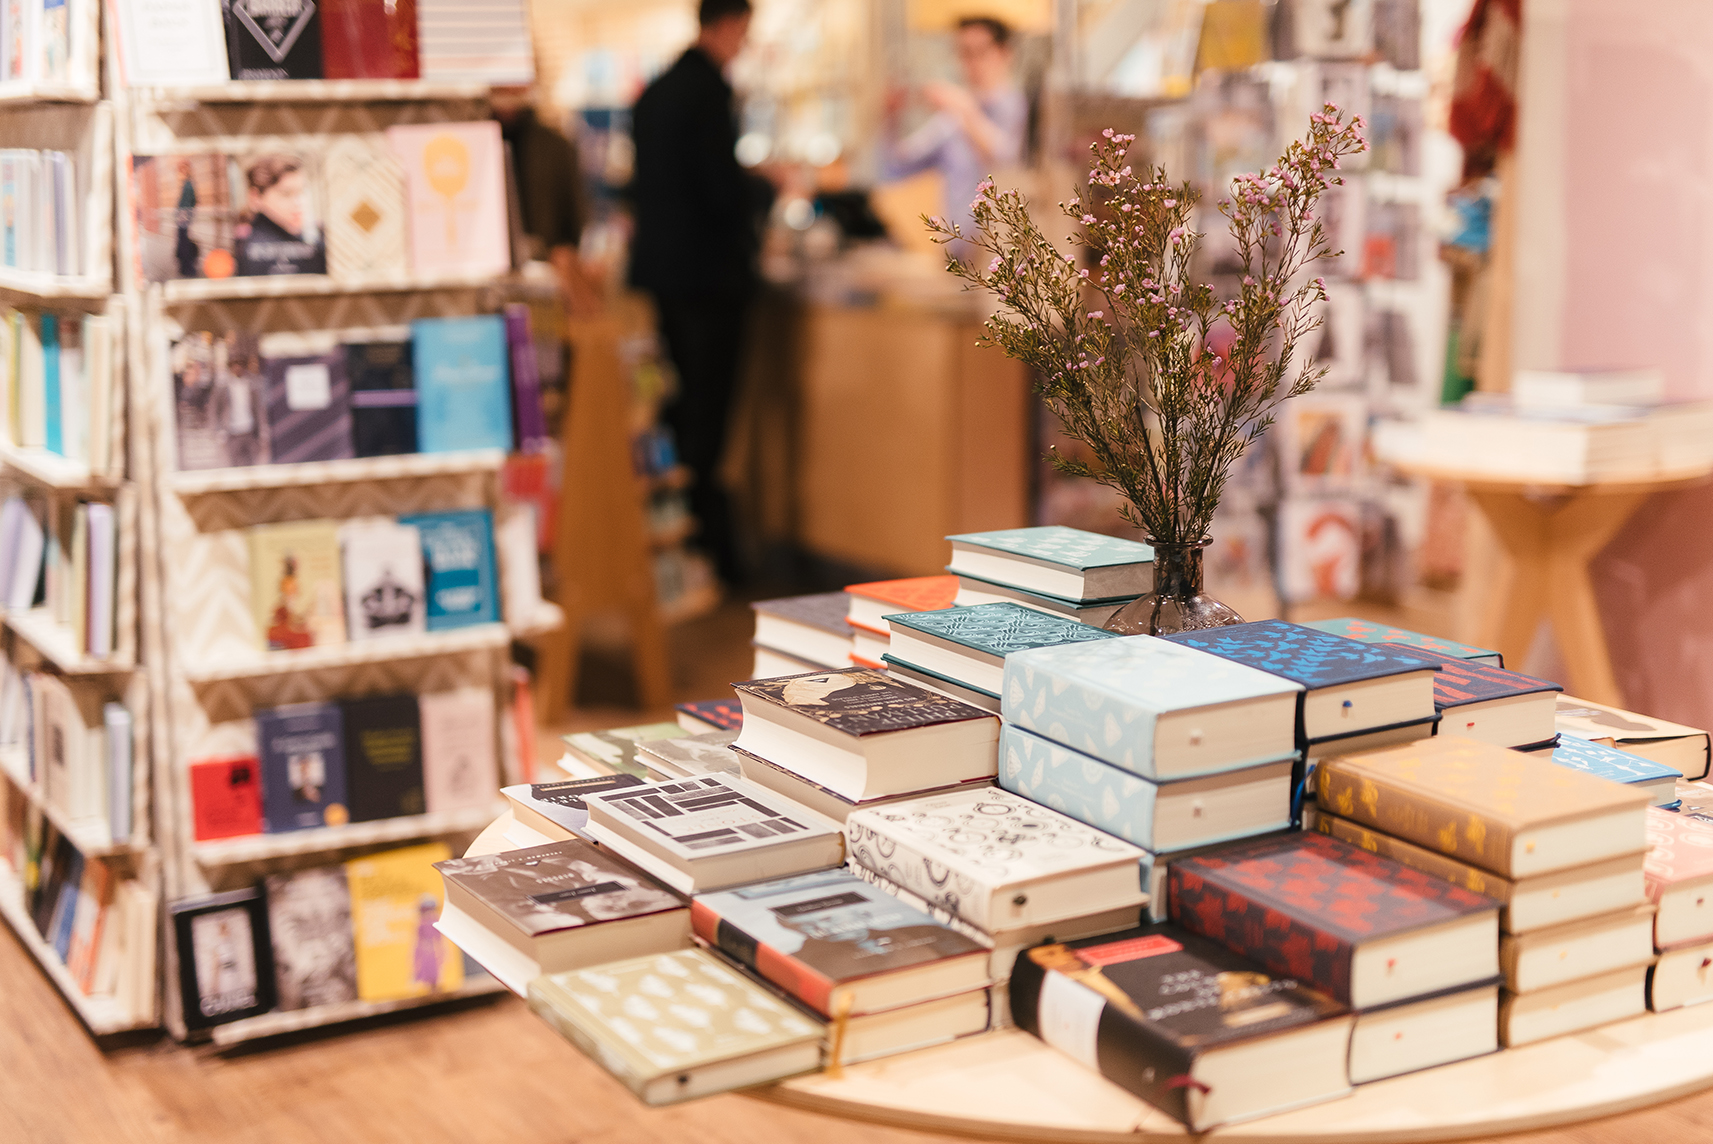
{"points": [[1177, 603]]}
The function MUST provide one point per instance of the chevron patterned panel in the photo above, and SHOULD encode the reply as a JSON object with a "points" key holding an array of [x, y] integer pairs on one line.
{"points": [[240, 698], [238, 510]]}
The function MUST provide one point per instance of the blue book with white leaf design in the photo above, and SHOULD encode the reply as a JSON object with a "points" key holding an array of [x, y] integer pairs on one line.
{"points": [[1619, 766], [1159, 817], [1152, 707], [1059, 561]]}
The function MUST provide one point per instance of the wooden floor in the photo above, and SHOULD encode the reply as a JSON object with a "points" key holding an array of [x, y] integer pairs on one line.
{"points": [[490, 1072]]}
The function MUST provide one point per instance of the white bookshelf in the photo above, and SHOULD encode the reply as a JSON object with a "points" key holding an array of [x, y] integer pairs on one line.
{"points": [[401, 467], [50, 470], [296, 1020], [356, 653], [102, 1015], [328, 839], [54, 642], [314, 91]]}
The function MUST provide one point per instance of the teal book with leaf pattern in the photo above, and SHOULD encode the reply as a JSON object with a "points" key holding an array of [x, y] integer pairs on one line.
{"points": [[969, 645], [1065, 562]]}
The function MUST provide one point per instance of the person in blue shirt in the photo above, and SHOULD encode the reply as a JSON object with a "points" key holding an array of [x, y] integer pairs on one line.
{"points": [[976, 129]]}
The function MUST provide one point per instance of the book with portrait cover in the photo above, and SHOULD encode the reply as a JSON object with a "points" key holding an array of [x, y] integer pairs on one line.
{"points": [[456, 190], [302, 747], [396, 896], [385, 594], [225, 960], [309, 922], [295, 592], [281, 228], [220, 400], [273, 39], [383, 757], [184, 208]]}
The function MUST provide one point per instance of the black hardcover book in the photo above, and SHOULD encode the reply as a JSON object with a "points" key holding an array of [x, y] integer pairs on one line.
{"points": [[225, 960], [383, 757], [1144, 1006], [273, 39], [383, 397], [860, 701]]}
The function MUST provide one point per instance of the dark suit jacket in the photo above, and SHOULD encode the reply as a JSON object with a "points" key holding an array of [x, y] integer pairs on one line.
{"points": [[698, 212]]}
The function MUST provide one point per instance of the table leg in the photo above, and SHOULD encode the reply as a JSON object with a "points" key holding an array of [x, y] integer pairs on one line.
{"points": [[1517, 603]]}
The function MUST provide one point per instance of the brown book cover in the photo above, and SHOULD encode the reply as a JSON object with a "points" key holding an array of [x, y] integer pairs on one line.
{"points": [[1465, 799], [1417, 857], [1513, 946]]}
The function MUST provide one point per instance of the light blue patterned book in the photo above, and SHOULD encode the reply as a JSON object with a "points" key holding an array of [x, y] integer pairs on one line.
{"points": [[1152, 707], [1658, 780], [1058, 561], [969, 645], [1160, 817]]}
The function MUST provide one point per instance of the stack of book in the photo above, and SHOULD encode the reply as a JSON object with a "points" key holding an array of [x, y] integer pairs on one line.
{"points": [[1679, 877], [42, 223], [1560, 849], [64, 560], [58, 387], [960, 651], [869, 604], [1659, 780], [74, 751], [795, 634], [1083, 576], [1684, 749]]}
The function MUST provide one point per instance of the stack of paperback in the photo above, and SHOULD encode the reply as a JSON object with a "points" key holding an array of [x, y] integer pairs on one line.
{"points": [[801, 633], [1082, 576], [870, 604], [1679, 877], [1560, 849], [961, 651]]}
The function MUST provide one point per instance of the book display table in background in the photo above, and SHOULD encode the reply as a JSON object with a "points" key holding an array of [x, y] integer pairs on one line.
{"points": [[1550, 533], [1007, 1085]]}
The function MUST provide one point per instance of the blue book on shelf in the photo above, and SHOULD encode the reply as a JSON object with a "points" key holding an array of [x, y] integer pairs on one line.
{"points": [[1618, 766], [1303, 655], [458, 556], [53, 414], [463, 385], [302, 752], [1152, 707], [1103, 796]]}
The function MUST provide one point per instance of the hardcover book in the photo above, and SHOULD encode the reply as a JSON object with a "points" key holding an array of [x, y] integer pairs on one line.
{"points": [[1678, 873], [458, 552], [395, 897], [940, 685], [309, 922], [1659, 780], [1685, 748], [1152, 707], [225, 966], [295, 592], [710, 715], [1338, 917], [567, 885], [970, 645], [676, 1026], [309, 407], [383, 757], [303, 766], [226, 798], [872, 602], [383, 398], [461, 384], [1152, 1008], [1368, 631], [1479, 701], [456, 191], [616, 749], [1059, 561], [1160, 817], [364, 40], [385, 594], [365, 206], [1343, 672], [1510, 813], [459, 731], [557, 809], [995, 859], [812, 627], [974, 590], [855, 702], [708, 754], [823, 800], [273, 39], [837, 943]]}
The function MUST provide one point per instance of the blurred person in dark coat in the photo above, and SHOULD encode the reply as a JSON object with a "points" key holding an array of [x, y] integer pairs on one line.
{"points": [[698, 231]]}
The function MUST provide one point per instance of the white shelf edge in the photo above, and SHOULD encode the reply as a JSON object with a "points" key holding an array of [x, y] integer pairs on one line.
{"points": [[54, 642], [313, 91], [52, 470], [16, 92], [398, 466], [548, 617], [296, 1020], [102, 1014], [188, 291], [53, 287], [90, 841], [258, 847], [478, 637]]}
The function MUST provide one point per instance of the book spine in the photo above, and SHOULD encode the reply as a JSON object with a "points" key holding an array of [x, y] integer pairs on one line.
{"points": [[813, 989], [1462, 832], [1077, 785], [1471, 878], [529, 421], [1079, 717], [1079, 1022], [1250, 927]]}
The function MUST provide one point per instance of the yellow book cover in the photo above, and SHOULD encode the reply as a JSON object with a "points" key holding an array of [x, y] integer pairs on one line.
{"points": [[295, 591], [395, 901]]}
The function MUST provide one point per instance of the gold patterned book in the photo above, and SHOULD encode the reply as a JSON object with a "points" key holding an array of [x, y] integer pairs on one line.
{"points": [[1508, 813]]}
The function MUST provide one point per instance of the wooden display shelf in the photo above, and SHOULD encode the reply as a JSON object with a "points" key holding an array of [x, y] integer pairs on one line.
{"points": [[19, 91], [397, 467], [259, 847], [32, 287], [186, 291], [102, 1015], [56, 644], [314, 91], [477, 637], [93, 840], [296, 1020]]}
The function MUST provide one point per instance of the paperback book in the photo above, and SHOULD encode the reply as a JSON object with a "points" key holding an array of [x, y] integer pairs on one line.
{"points": [[385, 594], [302, 748], [396, 896], [314, 952], [383, 757], [295, 590], [462, 580]]}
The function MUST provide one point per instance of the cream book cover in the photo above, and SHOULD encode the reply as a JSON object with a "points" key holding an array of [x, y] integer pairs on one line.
{"points": [[366, 235], [295, 584], [459, 732], [456, 191], [396, 898]]}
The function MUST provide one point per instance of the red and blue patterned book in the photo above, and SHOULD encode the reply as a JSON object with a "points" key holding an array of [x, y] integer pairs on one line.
{"points": [[711, 715], [1363, 929], [1492, 705]]}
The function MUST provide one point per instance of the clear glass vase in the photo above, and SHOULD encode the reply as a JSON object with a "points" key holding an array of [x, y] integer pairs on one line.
{"points": [[1177, 603]]}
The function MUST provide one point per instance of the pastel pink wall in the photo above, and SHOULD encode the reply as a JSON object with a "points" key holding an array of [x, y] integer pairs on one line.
{"points": [[1638, 213]]}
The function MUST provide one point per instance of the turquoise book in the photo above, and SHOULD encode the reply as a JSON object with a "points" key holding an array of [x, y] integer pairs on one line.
{"points": [[969, 645], [1367, 631], [52, 405], [458, 558], [1159, 817], [463, 386], [1065, 562], [1152, 707], [1658, 780]]}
